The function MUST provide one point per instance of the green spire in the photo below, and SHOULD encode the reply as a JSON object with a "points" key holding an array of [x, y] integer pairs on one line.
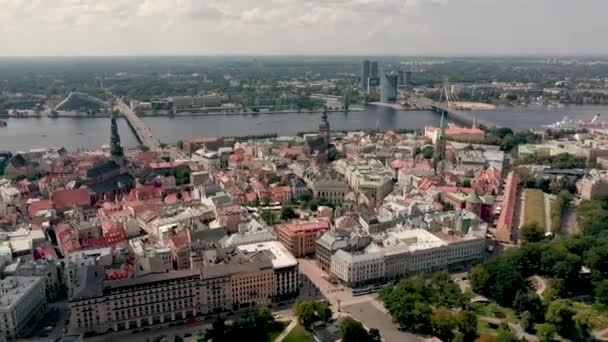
{"points": [[115, 146], [442, 126]]}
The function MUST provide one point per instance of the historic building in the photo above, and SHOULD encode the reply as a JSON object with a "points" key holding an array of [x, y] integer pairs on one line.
{"points": [[110, 179], [317, 148]]}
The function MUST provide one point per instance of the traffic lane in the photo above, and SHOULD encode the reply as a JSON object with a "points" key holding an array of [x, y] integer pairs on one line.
{"points": [[372, 317]]}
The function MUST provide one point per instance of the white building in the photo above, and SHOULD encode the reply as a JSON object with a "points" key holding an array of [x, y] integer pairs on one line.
{"points": [[284, 264], [47, 270], [9, 194], [367, 176], [79, 259], [358, 268], [6, 254], [23, 240], [400, 252], [151, 259], [22, 299]]}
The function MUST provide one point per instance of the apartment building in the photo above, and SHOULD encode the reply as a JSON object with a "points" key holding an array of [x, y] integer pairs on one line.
{"points": [[504, 228], [369, 176], [230, 281], [400, 252], [299, 237], [22, 301], [285, 268]]}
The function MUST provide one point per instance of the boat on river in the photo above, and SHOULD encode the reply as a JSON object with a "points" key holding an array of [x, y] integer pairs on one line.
{"points": [[567, 123]]}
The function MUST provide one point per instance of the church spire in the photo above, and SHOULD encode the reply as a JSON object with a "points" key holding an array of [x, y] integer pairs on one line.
{"points": [[115, 146], [324, 128], [440, 143]]}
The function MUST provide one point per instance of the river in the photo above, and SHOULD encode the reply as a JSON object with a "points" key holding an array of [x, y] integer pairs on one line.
{"points": [[72, 133]]}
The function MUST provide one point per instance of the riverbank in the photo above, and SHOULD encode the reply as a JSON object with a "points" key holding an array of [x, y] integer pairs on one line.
{"points": [[466, 105], [170, 115], [397, 106]]}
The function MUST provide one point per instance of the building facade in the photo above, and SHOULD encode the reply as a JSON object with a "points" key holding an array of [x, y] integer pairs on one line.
{"points": [[300, 237], [22, 301]]}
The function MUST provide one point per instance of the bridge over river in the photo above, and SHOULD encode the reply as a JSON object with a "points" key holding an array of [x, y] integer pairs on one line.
{"points": [[465, 117], [141, 130]]}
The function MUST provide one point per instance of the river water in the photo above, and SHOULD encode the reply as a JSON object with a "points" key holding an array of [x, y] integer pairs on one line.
{"points": [[72, 133]]}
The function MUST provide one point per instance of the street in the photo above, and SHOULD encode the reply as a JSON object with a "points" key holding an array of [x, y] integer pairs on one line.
{"points": [[364, 308]]}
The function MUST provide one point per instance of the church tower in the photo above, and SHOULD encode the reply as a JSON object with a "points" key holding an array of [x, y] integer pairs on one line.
{"points": [[324, 129], [115, 147], [440, 144]]}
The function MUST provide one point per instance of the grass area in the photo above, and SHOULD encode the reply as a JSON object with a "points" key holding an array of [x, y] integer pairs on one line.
{"points": [[535, 207], [596, 315], [298, 334], [494, 310], [275, 330], [485, 328]]}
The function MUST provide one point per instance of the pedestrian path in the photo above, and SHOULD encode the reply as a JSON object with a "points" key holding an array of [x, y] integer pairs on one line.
{"points": [[287, 330]]}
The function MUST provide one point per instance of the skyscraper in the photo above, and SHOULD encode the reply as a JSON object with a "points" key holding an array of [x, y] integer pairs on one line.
{"points": [[405, 78], [388, 87], [408, 78], [373, 70], [401, 74], [364, 74], [115, 146]]}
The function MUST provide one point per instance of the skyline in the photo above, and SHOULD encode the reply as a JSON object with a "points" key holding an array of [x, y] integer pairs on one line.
{"points": [[302, 27]]}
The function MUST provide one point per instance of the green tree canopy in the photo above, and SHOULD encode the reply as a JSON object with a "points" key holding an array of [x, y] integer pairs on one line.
{"points": [[532, 232], [309, 311]]}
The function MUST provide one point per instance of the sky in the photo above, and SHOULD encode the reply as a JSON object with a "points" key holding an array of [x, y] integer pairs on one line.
{"points": [[307, 27]]}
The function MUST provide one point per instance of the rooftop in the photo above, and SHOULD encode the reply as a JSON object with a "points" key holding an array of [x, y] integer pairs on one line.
{"points": [[281, 258], [13, 289]]}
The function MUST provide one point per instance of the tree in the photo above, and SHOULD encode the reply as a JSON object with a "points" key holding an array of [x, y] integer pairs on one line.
{"points": [[180, 144], [561, 314], [182, 175], [274, 179], [532, 232], [480, 279], [527, 321], [353, 331], [269, 217], [287, 213], [443, 324], [505, 334], [374, 335], [504, 281], [546, 332], [601, 292], [427, 152], [467, 324], [309, 312], [306, 196], [531, 303]]}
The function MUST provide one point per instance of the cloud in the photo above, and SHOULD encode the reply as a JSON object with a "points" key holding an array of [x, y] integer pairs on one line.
{"points": [[304, 26]]}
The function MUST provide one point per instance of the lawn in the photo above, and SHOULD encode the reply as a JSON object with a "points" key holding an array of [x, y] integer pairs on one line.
{"points": [[595, 315], [298, 334], [534, 210], [485, 328], [275, 330], [494, 310]]}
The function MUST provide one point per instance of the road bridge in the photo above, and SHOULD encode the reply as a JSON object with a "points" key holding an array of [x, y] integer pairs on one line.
{"points": [[142, 131], [465, 117]]}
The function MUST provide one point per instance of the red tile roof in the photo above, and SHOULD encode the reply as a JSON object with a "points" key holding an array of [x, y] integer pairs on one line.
{"points": [[66, 199], [40, 205], [179, 240], [305, 227]]}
